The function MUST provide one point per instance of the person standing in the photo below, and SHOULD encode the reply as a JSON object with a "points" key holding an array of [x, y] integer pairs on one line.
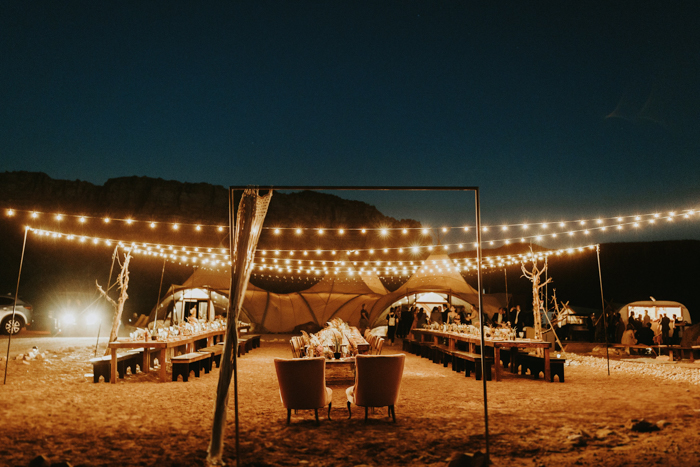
{"points": [[436, 315], [678, 325], [452, 315], [364, 320], [518, 319], [421, 319], [665, 328], [406, 321], [391, 320]]}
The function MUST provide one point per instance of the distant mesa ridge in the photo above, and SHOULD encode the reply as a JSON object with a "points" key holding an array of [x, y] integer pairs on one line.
{"points": [[161, 200]]}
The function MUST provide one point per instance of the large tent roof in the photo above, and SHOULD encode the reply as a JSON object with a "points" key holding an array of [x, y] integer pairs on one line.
{"points": [[439, 275], [331, 297], [334, 296]]}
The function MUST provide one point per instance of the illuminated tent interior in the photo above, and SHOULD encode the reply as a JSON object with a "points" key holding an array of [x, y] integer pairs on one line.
{"points": [[440, 278], [655, 309]]}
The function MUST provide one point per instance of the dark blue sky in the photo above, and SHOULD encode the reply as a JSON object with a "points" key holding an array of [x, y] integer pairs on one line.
{"points": [[555, 109]]}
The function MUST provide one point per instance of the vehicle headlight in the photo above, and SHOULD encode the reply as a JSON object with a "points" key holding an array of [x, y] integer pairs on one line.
{"points": [[68, 318], [91, 318]]}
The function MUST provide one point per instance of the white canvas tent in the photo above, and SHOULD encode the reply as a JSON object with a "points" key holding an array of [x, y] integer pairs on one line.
{"points": [[334, 296], [655, 309]]}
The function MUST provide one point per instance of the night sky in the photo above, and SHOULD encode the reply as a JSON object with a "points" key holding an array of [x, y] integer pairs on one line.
{"points": [[556, 109]]}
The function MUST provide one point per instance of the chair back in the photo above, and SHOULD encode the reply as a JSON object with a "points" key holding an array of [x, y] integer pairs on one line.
{"points": [[370, 341], [302, 382], [378, 379], [380, 344]]}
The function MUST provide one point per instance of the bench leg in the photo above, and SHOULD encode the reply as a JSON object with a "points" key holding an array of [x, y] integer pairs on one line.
{"points": [[113, 367]]}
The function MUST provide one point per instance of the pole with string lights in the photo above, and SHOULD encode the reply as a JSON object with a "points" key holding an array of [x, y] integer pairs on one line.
{"points": [[14, 305], [602, 300]]}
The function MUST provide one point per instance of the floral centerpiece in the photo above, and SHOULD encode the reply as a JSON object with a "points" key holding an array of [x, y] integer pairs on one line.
{"points": [[328, 342]]}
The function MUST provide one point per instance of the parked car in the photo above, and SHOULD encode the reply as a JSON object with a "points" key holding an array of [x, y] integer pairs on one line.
{"points": [[23, 314]]}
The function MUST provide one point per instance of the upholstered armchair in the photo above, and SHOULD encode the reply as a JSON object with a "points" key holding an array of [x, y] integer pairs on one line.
{"points": [[303, 385], [377, 382]]}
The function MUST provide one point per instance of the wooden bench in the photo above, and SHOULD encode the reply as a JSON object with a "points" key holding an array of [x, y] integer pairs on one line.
{"points": [[636, 347], [254, 339], [411, 346], [215, 351], [440, 354], [536, 366], [194, 361], [425, 349], [101, 366], [469, 362], [242, 346], [674, 350], [153, 355]]}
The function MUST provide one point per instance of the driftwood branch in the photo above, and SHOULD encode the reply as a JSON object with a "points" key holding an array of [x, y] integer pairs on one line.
{"points": [[104, 294], [534, 276], [123, 281]]}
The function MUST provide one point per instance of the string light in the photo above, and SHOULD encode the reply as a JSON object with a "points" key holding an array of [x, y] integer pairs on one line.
{"points": [[188, 254], [686, 214], [417, 249]]}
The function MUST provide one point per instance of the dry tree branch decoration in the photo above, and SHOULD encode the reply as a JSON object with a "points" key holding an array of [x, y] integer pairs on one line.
{"points": [[123, 281], [534, 276]]}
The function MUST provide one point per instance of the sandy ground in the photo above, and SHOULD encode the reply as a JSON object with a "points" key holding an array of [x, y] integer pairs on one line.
{"points": [[50, 407]]}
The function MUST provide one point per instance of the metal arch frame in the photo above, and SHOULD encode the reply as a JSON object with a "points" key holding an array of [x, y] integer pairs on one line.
{"points": [[477, 203]]}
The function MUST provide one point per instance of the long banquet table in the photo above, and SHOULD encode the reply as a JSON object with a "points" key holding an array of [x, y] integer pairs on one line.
{"points": [[162, 346], [426, 335]]}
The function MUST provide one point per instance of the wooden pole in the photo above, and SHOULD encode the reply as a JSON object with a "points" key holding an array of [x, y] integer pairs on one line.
{"points": [[160, 288], [109, 281], [605, 319], [481, 321], [14, 305], [505, 273], [234, 333]]}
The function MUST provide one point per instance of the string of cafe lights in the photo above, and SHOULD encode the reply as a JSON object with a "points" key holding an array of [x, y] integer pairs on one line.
{"points": [[211, 258], [564, 227], [635, 223]]}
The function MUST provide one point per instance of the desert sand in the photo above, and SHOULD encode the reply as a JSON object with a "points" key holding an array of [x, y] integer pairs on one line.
{"points": [[49, 407]]}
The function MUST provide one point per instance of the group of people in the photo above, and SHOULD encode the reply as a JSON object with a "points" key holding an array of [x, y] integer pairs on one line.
{"points": [[648, 331], [400, 320]]}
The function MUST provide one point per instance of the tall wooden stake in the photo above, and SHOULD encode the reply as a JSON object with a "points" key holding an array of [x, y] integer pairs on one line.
{"points": [[14, 305], [481, 321], [605, 319]]}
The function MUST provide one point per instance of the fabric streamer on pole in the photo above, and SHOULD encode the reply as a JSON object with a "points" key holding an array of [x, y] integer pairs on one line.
{"points": [[14, 306], [243, 238]]}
